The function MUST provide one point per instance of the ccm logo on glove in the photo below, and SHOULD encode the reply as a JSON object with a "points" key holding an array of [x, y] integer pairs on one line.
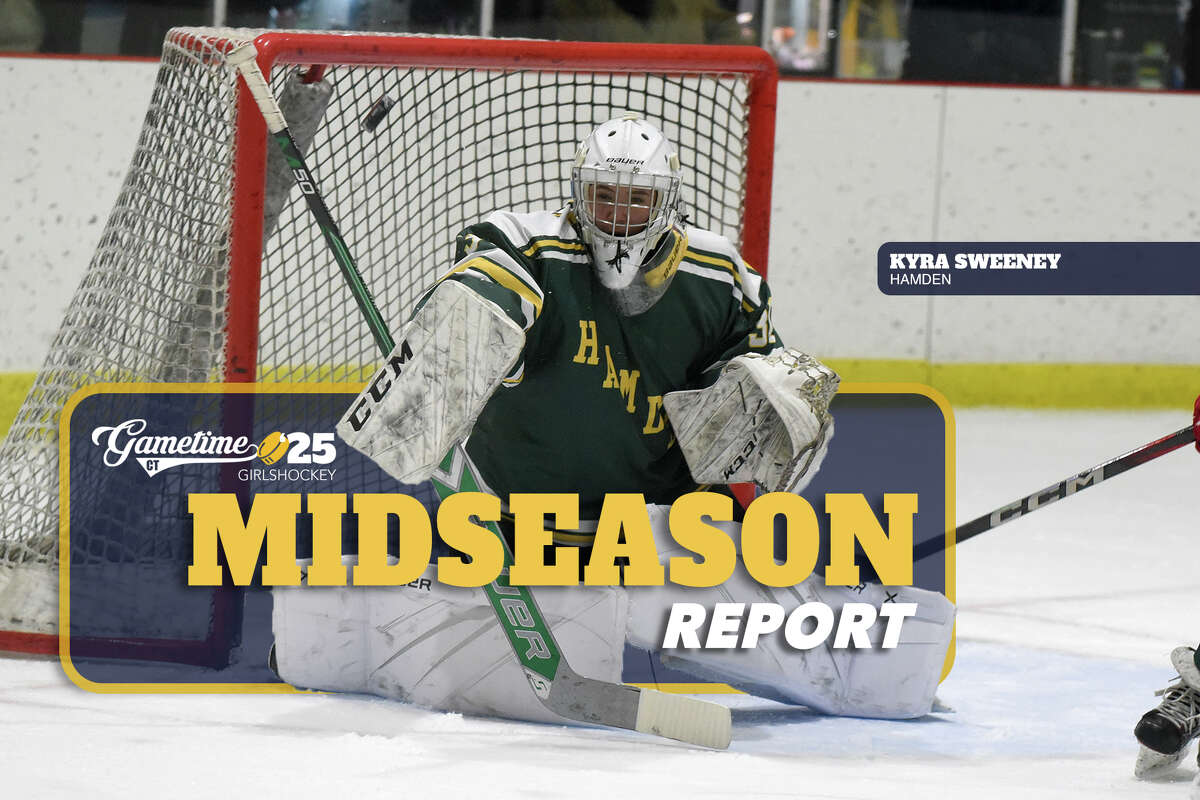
{"points": [[378, 389]]}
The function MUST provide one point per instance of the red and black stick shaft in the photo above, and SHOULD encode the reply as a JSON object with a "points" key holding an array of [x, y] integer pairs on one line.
{"points": [[1069, 486]]}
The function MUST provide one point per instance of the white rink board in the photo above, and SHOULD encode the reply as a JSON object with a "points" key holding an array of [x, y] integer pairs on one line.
{"points": [[856, 165], [1069, 166], [70, 127]]}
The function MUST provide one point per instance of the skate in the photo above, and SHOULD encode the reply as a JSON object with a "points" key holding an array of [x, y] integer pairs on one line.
{"points": [[1165, 732]]}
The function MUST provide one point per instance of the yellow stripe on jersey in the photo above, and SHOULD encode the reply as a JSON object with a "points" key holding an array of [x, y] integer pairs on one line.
{"points": [[747, 306], [504, 277], [538, 244], [572, 539], [715, 261], [755, 284], [512, 379], [704, 259]]}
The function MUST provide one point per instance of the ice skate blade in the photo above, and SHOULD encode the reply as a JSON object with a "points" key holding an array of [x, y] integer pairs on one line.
{"points": [[941, 708], [1152, 765]]}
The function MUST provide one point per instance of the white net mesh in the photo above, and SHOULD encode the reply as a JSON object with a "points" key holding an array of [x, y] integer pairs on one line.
{"points": [[456, 143]]}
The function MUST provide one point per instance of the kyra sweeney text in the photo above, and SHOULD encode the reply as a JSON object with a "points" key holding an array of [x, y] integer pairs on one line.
{"points": [[623, 532]]}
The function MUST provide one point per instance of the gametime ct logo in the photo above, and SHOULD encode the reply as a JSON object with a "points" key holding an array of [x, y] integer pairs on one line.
{"points": [[157, 453]]}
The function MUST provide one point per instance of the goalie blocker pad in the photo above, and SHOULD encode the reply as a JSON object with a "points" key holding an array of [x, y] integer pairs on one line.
{"points": [[450, 357], [766, 420]]}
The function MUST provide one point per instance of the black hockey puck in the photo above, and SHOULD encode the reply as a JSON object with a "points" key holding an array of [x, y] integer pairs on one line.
{"points": [[377, 112]]}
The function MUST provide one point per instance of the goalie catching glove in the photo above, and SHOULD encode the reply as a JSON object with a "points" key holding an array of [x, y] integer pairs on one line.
{"points": [[450, 357], [766, 420]]}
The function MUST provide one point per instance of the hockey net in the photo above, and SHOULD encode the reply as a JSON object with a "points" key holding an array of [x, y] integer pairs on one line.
{"points": [[184, 286]]}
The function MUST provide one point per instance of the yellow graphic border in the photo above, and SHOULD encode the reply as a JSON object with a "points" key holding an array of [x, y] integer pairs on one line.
{"points": [[64, 585], [64, 532]]}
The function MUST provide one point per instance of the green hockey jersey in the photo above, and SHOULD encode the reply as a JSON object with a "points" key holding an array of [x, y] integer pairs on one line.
{"points": [[582, 411]]}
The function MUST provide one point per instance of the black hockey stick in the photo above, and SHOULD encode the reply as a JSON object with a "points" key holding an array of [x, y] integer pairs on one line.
{"points": [[559, 688], [1065, 488]]}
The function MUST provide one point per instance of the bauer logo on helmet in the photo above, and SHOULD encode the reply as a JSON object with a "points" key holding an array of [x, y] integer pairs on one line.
{"points": [[625, 189]]}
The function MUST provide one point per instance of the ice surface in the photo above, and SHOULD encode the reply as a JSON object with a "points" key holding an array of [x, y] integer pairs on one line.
{"points": [[1066, 620]]}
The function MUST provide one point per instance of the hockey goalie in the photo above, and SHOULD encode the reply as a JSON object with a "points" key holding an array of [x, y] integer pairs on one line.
{"points": [[603, 347]]}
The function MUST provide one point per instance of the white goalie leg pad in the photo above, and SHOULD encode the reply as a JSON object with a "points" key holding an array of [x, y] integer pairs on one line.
{"points": [[319, 641], [766, 420], [894, 683], [450, 358], [439, 646]]}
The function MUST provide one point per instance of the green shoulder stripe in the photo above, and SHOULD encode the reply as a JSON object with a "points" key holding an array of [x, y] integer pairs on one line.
{"points": [[748, 296], [539, 244], [702, 258]]}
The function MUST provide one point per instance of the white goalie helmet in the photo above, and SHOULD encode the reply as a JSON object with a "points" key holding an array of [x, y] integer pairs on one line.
{"points": [[626, 190]]}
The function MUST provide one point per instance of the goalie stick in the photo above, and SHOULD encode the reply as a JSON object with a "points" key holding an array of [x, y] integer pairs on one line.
{"points": [[559, 688], [1069, 486]]}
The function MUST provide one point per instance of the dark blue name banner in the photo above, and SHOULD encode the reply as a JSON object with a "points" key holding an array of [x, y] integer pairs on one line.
{"points": [[1039, 268]]}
